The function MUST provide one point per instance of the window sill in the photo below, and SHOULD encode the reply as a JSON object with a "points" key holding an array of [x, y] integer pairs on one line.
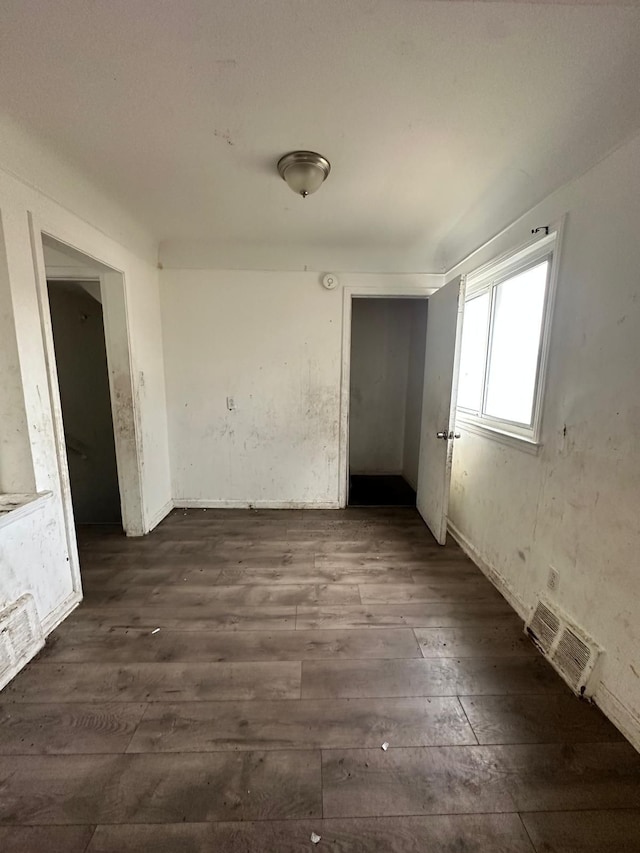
{"points": [[14, 507], [520, 442]]}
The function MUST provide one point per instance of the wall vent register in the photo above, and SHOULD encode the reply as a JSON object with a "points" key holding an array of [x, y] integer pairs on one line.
{"points": [[20, 637], [572, 654]]}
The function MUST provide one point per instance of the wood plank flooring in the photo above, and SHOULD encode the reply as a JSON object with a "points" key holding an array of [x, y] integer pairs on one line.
{"points": [[291, 646]]}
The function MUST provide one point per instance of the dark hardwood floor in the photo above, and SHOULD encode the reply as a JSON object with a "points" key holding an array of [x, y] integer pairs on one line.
{"points": [[291, 646]]}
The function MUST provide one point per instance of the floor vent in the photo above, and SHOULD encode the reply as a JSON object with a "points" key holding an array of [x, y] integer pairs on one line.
{"points": [[568, 649], [20, 637]]}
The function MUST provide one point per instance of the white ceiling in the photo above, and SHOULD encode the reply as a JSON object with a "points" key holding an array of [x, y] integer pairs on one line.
{"points": [[443, 121]]}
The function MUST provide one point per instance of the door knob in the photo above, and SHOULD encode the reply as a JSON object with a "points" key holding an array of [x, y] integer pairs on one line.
{"points": [[447, 435]]}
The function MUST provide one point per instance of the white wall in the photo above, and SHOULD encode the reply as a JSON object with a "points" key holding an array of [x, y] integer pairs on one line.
{"points": [[415, 388], [274, 342], [16, 471], [36, 551], [380, 341], [576, 504]]}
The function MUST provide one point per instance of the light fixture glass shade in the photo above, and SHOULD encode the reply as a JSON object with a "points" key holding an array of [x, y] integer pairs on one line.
{"points": [[304, 171], [304, 178]]}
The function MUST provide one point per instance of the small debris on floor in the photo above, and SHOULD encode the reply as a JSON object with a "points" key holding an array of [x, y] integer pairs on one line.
{"points": [[385, 746], [155, 630], [315, 838]]}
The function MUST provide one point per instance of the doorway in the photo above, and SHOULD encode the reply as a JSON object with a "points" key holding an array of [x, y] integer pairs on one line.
{"points": [[105, 301], [387, 358], [83, 379]]}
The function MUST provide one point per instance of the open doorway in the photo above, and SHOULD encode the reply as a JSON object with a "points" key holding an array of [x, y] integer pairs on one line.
{"points": [[83, 380], [388, 338], [84, 319]]}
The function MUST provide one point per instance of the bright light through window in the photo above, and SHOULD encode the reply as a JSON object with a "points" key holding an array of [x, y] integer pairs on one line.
{"points": [[504, 342], [474, 337], [515, 345]]}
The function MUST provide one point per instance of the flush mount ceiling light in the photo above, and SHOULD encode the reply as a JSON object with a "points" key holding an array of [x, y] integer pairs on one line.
{"points": [[304, 171]]}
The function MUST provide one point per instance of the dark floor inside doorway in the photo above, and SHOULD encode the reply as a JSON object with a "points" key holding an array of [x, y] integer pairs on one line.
{"points": [[380, 490]]}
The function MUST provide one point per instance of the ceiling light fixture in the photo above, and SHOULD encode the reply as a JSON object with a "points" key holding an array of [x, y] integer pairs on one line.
{"points": [[304, 171]]}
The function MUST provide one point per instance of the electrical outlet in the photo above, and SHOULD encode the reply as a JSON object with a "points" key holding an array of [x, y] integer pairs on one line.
{"points": [[231, 404], [553, 579]]}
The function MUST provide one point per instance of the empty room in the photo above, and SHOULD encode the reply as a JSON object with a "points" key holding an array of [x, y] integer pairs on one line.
{"points": [[319, 416]]}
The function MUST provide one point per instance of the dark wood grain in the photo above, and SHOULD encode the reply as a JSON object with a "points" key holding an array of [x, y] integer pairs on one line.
{"points": [[415, 566], [292, 644], [201, 596], [216, 618], [426, 614], [48, 839], [154, 682], [355, 723], [585, 832], [445, 677], [293, 575], [108, 578], [465, 779], [537, 719], [474, 641], [67, 728], [79, 646], [544, 777], [472, 589], [446, 780], [159, 788], [440, 834]]}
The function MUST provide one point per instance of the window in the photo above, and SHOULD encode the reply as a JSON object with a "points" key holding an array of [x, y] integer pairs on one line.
{"points": [[504, 343]]}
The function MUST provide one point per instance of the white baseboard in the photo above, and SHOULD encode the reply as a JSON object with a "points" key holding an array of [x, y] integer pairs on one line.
{"points": [[622, 717], [204, 503], [495, 577], [157, 517], [60, 613]]}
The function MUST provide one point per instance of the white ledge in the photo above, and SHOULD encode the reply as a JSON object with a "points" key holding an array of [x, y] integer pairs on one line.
{"points": [[16, 506], [511, 439]]}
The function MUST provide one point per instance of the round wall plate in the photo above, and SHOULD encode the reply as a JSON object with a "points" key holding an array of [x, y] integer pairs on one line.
{"points": [[330, 281]]}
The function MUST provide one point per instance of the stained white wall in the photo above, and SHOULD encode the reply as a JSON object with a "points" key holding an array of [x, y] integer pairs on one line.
{"points": [[380, 342], [273, 342], [575, 504], [35, 552], [16, 470]]}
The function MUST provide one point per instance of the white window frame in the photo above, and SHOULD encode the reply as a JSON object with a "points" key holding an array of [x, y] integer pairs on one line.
{"points": [[485, 279]]}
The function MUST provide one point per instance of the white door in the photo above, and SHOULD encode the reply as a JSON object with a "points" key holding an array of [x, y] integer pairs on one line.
{"points": [[444, 328]]}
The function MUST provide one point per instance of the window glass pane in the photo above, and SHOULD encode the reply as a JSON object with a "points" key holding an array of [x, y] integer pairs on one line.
{"points": [[472, 353], [513, 359]]}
